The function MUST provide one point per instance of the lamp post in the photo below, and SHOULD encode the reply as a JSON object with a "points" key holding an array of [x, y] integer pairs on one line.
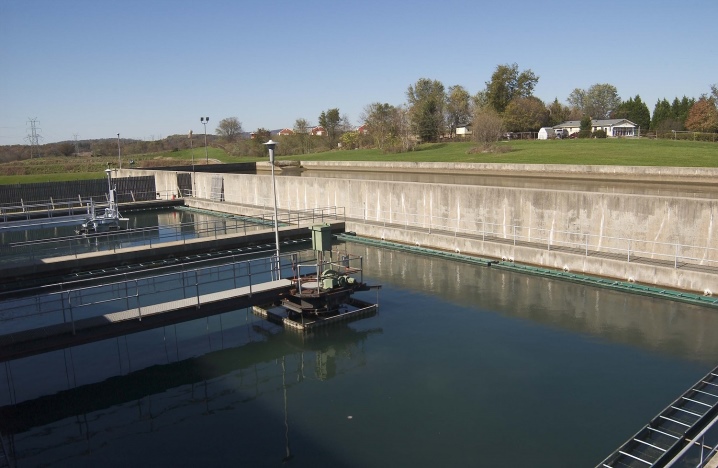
{"points": [[191, 149], [270, 146], [205, 121], [119, 153]]}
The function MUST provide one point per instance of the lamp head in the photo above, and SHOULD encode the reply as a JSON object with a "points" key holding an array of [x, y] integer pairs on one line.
{"points": [[270, 145]]}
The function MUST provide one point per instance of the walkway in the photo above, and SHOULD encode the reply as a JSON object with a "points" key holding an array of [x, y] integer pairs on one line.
{"points": [[74, 332]]}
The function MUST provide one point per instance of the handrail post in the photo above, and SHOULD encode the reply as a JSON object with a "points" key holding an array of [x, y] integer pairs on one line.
{"points": [[139, 308], [196, 285], [72, 316]]}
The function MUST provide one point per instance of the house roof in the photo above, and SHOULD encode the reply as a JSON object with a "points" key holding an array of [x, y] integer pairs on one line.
{"points": [[595, 123]]}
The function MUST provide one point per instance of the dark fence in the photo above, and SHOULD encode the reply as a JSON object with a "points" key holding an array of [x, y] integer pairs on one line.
{"points": [[235, 168], [128, 189]]}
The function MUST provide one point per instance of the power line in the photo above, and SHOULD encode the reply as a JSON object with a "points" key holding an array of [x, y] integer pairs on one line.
{"points": [[34, 137]]}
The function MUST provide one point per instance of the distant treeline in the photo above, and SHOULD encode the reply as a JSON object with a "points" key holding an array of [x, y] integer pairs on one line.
{"points": [[99, 148]]}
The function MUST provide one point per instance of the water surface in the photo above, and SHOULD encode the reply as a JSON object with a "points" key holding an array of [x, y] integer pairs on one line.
{"points": [[463, 366]]}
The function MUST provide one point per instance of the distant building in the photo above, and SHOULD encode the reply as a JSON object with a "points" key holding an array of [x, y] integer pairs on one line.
{"points": [[612, 127], [545, 133], [463, 130]]}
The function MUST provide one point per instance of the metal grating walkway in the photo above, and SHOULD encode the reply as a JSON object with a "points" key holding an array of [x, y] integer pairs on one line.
{"points": [[673, 430]]}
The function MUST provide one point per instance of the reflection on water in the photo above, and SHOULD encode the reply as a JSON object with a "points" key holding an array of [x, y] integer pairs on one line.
{"points": [[463, 366], [685, 330]]}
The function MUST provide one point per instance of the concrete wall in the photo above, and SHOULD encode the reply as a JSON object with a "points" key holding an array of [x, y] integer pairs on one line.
{"points": [[612, 224]]}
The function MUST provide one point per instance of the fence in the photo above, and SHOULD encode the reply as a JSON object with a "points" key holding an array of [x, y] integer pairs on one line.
{"points": [[181, 232], [135, 295]]}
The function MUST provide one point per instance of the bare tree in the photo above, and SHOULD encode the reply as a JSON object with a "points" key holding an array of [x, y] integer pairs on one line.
{"points": [[230, 128], [301, 130], [487, 126]]}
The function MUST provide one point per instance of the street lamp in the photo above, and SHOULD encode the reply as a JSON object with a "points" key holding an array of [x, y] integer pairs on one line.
{"points": [[191, 149], [205, 121], [119, 152], [270, 146]]}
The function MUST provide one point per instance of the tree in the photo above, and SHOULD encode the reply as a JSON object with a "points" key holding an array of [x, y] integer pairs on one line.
{"points": [[597, 102], [585, 128], [703, 116], [507, 83], [380, 119], [301, 130], [558, 113], [680, 109], [458, 108], [331, 121], [634, 110], [426, 106], [661, 113], [404, 139], [230, 128], [349, 140], [525, 114], [487, 126]]}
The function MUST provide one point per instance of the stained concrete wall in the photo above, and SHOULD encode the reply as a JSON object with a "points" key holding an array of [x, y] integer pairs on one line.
{"points": [[650, 226]]}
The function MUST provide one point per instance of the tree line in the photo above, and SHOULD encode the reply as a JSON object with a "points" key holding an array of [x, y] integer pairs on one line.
{"points": [[433, 112]]}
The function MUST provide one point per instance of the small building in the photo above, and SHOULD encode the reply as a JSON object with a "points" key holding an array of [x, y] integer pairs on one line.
{"points": [[546, 133], [463, 130], [612, 127]]}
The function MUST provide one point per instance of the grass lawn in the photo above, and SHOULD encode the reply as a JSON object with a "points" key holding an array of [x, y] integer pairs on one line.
{"points": [[609, 152]]}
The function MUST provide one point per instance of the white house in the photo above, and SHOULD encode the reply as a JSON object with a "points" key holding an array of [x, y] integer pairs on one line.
{"points": [[612, 127], [545, 133], [463, 130]]}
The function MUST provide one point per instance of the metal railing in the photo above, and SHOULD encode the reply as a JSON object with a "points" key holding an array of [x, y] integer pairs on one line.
{"points": [[629, 249], [52, 207], [132, 296], [152, 236]]}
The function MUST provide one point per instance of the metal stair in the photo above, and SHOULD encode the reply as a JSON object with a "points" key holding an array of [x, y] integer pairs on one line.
{"points": [[673, 430]]}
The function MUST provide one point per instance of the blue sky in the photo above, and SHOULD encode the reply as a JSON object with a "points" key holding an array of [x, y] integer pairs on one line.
{"points": [[150, 68]]}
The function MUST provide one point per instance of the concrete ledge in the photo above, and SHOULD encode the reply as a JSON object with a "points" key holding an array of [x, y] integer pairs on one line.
{"points": [[642, 173]]}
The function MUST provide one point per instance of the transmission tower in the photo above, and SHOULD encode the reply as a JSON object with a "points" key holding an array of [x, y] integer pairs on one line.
{"points": [[34, 137]]}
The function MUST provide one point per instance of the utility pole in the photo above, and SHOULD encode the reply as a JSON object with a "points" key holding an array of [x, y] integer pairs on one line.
{"points": [[33, 138], [119, 153]]}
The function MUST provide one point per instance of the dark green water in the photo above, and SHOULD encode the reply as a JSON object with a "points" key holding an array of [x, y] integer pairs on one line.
{"points": [[463, 366]]}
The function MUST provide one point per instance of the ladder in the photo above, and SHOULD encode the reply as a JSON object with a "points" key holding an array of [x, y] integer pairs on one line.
{"points": [[669, 434]]}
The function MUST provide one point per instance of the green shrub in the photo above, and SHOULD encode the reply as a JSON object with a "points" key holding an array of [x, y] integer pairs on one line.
{"points": [[600, 134]]}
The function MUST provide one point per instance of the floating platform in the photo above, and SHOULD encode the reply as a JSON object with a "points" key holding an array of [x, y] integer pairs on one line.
{"points": [[352, 309]]}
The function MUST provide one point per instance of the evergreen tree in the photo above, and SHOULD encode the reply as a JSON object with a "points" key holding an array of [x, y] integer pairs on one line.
{"points": [[585, 128], [634, 110], [681, 109], [661, 113]]}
